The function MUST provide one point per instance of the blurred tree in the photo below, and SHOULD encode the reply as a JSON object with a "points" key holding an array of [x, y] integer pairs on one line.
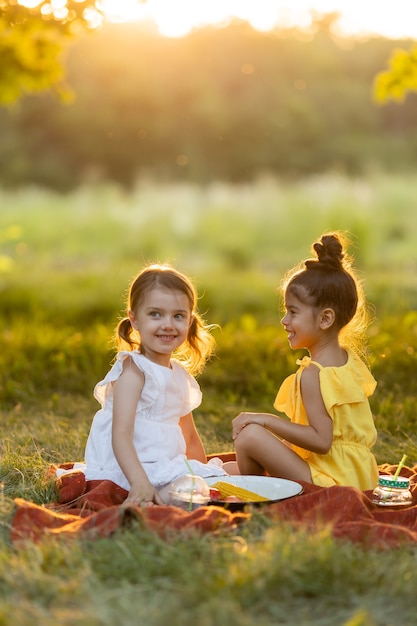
{"points": [[34, 35], [32, 42], [400, 77], [226, 103]]}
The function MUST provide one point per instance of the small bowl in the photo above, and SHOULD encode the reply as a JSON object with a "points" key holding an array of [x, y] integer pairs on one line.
{"points": [[189, 492]]}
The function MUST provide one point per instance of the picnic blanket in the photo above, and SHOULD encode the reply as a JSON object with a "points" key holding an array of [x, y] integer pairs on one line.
{"points": [[97, 509]]}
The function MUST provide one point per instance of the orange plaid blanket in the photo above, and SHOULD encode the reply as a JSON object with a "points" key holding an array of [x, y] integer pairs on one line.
{"points": [[96, 509]]}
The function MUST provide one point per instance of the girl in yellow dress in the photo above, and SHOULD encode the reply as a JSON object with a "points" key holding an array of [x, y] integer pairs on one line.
{"points": [[329, 438]]}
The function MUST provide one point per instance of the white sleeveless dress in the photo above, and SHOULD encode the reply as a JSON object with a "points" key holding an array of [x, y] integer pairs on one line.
{"points": [[168, 394]]}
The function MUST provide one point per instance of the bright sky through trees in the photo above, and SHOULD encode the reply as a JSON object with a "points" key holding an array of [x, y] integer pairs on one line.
{"points": [[177, 17]]}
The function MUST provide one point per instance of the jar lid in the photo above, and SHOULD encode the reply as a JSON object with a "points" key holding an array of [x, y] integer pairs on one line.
{"points": [[396, 483], [189, 486]]}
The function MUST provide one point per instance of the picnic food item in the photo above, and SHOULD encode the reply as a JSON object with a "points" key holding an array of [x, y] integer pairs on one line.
{"points": [[392, 491], [215, 494], [189, 492], [227, 489]]}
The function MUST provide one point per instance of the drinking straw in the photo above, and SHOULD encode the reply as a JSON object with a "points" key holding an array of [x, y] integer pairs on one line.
{"points": [[400, 466], [190, 469]]}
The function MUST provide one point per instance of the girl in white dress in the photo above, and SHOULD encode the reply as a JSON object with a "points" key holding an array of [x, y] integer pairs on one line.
{"points": [[144, 436]]}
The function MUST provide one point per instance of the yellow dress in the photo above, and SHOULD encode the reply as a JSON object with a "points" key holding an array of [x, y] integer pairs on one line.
{"points": [[345, 392]]}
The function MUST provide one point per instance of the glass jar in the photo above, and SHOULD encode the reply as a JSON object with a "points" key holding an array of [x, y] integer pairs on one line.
{"points": [[189, 492], [392, 492]]}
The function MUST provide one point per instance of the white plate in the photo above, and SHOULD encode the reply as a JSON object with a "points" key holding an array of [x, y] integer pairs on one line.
{"points": [[273, 489]]}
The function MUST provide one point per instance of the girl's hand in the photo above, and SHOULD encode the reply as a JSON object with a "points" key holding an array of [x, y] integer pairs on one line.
{"points": [[242, 420], [143, 496]]}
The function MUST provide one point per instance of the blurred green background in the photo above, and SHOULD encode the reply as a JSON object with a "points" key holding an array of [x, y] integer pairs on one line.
{"points": [[227, 104], [225, 152]]}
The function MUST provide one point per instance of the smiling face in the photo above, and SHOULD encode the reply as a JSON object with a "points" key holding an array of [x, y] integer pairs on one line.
{"points": [[302, 323], [162, 319]]}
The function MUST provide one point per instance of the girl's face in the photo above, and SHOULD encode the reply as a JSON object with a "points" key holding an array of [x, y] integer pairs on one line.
{"points": [[162, 320], [302, 323]]}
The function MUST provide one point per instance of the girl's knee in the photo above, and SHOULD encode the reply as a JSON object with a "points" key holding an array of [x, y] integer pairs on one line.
{"points": [[249, 435]]}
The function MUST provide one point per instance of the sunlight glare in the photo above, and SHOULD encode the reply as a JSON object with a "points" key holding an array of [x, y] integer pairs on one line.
{"points": [[124, 10], [395, 21], [30, 4], [175, 18]]}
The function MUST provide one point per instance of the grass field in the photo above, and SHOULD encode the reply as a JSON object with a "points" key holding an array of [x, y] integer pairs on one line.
{"points": [[65, 263]]}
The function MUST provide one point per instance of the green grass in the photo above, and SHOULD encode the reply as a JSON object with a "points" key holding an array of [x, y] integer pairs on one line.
{"points": [[65, 263], [264, 575]]}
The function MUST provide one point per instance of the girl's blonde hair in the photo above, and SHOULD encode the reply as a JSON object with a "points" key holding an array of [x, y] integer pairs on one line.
{"points": [[329, 280], [200, 343]]}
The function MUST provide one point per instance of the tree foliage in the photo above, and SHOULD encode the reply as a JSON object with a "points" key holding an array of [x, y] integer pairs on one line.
{"points": [[33, 41], [400, 77], [226, 103]]}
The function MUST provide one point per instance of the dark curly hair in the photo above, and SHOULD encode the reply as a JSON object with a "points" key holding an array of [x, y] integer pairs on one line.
{"points": [[329, 280]]}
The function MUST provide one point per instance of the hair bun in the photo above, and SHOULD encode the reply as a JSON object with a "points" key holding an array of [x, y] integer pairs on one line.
{"points": [[329, 251]]}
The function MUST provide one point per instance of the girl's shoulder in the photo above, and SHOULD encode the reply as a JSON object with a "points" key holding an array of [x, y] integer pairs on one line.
{"points": [[135, 355], [153, 373], [144, 365], [353, 362], [354, 374], [155, 370], [361, 372], [180, 371]]}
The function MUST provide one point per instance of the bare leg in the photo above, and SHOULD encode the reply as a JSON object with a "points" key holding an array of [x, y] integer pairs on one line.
{"points": [[231, 467], [259, 451]]}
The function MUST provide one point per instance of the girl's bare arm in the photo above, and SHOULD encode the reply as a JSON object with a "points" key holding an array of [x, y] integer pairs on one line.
{"points": [[194, 445], [126, 394], [317, 436]]}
